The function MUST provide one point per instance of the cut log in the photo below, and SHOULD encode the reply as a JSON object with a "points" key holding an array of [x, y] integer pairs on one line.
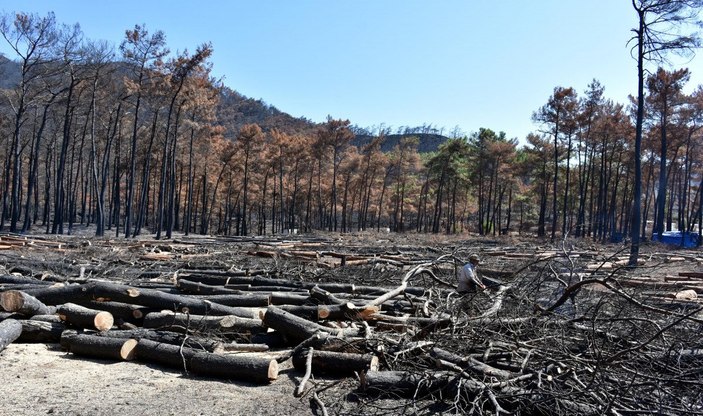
{"points": [[345, 311], [48, 318], [83, 317], [288, 298], [10, 315], [238, 367], [216, 279], [338, 363], [296, 328], [244, 300], [59, 294], [158, 299], [11, 278], [99, 347], [405, 384], [10, 330], [40, 331], [238, 347], [375, 290], [168, 337], [695, 275], [125, 311], [166, 354], [325, 297], [198, 288], [20, 302], [180, 322]]}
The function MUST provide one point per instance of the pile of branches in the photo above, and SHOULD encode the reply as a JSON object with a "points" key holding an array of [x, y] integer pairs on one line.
{"points": [[553, 337]]}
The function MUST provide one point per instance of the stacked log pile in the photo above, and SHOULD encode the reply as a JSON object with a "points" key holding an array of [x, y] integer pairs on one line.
{"points": [[558, 336]]}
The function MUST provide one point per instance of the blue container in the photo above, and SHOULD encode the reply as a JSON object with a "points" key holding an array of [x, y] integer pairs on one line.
{"points": [[677, 238]]}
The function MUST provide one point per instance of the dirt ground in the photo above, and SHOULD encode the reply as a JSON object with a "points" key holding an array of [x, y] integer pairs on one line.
{"points": [[41, 379]]}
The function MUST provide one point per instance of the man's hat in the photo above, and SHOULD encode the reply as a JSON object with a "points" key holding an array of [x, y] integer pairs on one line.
{"points": [[474, 257]]}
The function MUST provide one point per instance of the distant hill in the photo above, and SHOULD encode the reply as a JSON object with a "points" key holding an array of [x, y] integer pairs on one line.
{"points": [[428, 142], [9, 73], [236, 110]]}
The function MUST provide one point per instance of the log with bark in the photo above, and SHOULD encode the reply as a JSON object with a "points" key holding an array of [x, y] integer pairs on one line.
{"points": [[235, 366], [338, 363], [23, 303], [168, 337], [125, 312], [83, 317], [240, 367], [59, 294], [99, 346], [198, 288], [10, 330], [249, 300], [181, 322], [14, 279], [170, 355], [35, 331], [296, 328], [158, 299]]}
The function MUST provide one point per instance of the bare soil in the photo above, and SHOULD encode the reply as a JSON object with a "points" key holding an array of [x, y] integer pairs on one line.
{"points": [[43, 380]]}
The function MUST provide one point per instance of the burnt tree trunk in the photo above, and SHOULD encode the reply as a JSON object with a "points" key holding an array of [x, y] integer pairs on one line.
{"points": [[20, 302], [83, 317], [99, 347], [10, 330]]}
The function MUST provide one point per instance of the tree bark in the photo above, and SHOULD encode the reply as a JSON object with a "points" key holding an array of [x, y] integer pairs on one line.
{"points": [[167, 337], [10, 330], [158, 299], [40, 331], [180, 322], [99, 347], [20, 302], [296, 328], [239, 367], [339, 363], [83, 317]]}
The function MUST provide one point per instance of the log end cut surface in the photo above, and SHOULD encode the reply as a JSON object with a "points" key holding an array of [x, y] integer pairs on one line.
{"points": [[104, 321], [129, 349]]}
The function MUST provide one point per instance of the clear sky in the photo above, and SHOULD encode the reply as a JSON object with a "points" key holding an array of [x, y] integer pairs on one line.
{"points": [[466, 63]]}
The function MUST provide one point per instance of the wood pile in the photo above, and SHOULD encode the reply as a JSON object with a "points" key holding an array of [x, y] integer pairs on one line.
{"points": [[558, 336]]}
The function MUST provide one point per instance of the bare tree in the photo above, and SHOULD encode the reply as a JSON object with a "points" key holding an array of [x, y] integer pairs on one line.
{"points": [[32, 39], [657, 33]]}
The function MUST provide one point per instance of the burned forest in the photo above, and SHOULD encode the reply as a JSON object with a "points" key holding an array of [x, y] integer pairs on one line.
{"points": [[169, 245]]}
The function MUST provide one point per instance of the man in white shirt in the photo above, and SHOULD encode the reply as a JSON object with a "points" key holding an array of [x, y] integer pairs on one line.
{"points": [[468, 279]]}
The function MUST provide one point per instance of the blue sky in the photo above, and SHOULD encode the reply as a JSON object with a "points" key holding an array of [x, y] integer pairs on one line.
{"points": [[448, 63]]}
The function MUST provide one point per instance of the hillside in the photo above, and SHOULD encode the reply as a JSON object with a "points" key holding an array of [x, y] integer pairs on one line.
{"points": [[236, 109], [9, 72], [428, 142]]}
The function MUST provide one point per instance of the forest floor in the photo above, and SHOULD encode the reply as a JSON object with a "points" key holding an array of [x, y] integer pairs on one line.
{"points": [[41, 379]]}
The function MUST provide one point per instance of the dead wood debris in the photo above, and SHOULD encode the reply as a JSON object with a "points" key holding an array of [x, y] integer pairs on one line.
{"points": [[568, 331]]}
